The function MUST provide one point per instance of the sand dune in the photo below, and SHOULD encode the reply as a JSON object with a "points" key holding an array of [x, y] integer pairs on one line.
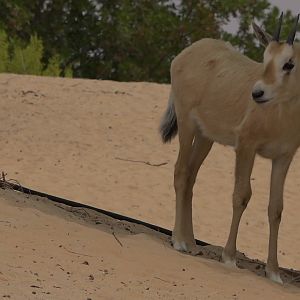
{"points": [[53, 251], [91, 141]]}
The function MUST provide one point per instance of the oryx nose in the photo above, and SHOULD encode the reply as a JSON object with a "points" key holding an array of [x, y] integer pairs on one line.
{"points": [[257, 94]]}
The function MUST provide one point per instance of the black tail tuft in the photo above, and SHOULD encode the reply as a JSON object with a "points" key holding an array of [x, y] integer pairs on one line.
{"points": [[168, 127]]}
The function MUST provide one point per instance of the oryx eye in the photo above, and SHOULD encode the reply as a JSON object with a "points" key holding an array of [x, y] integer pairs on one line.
{"points": [[288, 66]]}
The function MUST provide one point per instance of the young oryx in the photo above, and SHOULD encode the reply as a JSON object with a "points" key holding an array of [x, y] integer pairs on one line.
{"points": [[219, 95]]}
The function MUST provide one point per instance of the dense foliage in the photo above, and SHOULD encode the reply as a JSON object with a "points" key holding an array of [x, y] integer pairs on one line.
{"points": [[126, 40]]}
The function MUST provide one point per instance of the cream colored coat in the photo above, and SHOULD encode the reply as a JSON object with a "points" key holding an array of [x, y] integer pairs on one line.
{"points": [[210, 101]]}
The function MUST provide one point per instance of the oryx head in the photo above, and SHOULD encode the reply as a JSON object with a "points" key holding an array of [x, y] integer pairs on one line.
{"points": [[279, 65]]}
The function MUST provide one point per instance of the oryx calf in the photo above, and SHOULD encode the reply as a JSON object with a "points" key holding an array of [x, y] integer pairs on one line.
{"points": [[219, 95]]}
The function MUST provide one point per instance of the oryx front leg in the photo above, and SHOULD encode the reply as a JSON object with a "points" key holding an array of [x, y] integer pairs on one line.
{"points": [[193, 150], [241, 196], [279, 170]]}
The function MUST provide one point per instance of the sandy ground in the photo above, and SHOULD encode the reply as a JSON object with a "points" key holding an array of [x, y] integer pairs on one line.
{"points": [[53, 251], [90, 141]]}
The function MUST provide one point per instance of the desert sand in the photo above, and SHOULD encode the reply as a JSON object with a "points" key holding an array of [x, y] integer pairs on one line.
{"points": [[97, 142]]}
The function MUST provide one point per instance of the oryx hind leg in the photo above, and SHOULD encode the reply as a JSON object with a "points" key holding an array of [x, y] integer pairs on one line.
{"points": [[194, 148]]}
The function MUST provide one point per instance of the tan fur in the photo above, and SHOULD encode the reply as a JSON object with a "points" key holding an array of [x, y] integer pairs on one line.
{"points": [[269, 73], [211, 90], [275, 48]]}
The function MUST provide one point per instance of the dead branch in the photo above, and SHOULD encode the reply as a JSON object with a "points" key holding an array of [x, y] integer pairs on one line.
{"points": [[80, 211], [161, 279], [142, 161], [4, 222], [113, 233], [3, 182], [77, 253]]}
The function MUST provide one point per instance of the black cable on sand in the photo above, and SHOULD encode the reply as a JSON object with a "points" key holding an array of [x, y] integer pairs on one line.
{"points": [[71, 203]]}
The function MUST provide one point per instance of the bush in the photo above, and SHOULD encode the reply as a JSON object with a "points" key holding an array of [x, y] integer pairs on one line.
{"points": [[3, 51], [53, 67], [27, 60], [15, 58]]}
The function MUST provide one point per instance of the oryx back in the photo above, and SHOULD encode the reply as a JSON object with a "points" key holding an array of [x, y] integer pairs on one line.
{"points": [[212, 82]]}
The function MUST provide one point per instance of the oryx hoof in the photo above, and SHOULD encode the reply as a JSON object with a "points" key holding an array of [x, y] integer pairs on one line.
{"points": [[188, 246], [228, 260], [274, 276]]}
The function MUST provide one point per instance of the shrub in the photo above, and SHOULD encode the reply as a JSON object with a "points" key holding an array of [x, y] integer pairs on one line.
{"points": [[19, 59]]}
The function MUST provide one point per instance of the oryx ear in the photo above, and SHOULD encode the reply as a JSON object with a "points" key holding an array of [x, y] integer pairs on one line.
{"points": [[263, 37]]}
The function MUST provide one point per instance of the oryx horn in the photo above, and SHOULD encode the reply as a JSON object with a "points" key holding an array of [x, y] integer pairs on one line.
{"points": [[276, 35], [292, 34]]}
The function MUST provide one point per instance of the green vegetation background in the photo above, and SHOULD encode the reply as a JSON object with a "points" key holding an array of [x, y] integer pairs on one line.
{"points": [[124, 40]]}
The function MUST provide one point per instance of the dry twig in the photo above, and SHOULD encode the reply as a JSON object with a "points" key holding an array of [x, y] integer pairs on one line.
{"points": [[4, 222], [113, 233], [9, 183], [80, 211], [3, 182], [77, 253], [142, 161], [161, 279]]}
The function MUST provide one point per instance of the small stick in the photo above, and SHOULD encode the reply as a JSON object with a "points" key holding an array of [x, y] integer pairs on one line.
{"points": [[4, 184], [79, 210], [76, 252], [142, 161], [295, 279], [161, 279], [113, 233]]}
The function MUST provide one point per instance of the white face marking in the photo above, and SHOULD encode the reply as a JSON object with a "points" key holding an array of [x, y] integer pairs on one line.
{"points": [[275, 57], [267, 57]]}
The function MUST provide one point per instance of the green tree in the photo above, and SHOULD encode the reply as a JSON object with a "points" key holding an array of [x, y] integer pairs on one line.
{"points": [[27, 60], [137, 40], [15, 16], [246, 11], [113, 39], [3, 51], [20, 59], [53, 67], [131, 40], [20, 19]]}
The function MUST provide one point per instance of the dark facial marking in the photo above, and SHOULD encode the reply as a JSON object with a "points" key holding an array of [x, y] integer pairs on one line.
{"points": [[288, 67]]}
